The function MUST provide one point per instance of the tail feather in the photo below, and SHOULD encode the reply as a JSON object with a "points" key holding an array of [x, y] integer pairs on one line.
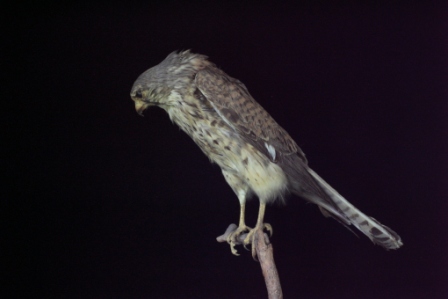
{"points": [[372, 228], [304, 182]]}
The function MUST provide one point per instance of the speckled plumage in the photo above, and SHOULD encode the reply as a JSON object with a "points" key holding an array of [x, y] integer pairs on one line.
{"points": [[255, 154]]}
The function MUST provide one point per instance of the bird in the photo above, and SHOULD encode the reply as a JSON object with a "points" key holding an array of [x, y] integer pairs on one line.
{"points": [[256, 155]]}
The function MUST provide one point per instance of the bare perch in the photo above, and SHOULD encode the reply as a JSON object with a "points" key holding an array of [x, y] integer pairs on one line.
{"points": [[265, 256]]}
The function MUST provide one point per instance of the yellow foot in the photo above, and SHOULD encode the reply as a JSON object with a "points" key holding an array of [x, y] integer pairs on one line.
{"points": [[251, 235], [233, 238]]}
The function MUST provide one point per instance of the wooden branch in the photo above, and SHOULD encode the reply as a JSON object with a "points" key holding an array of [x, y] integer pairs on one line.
{"points": [[265, 256]]}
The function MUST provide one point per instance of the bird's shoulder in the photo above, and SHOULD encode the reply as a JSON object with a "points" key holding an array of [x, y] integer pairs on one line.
{"points": [[233, 102]]}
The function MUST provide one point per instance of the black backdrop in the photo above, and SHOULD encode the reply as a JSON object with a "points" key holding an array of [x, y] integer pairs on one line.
{"points": [[101, 203]]}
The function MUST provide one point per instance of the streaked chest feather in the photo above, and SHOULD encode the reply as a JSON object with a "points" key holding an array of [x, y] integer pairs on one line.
{"points": [[198, 119], [225, 147]]}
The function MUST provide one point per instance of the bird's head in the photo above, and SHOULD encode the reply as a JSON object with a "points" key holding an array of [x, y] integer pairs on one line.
{"points": [[175, 73], [145, 95], [150, 89]]}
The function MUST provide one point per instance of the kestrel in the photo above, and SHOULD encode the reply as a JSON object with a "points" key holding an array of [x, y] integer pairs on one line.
{"points": [[256, 155]]}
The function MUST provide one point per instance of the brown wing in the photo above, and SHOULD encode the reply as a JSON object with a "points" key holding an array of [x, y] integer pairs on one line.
{"points": [[232, 101]]}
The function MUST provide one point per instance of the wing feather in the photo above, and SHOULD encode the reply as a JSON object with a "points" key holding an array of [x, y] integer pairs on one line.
{"points": [[233, 102]]}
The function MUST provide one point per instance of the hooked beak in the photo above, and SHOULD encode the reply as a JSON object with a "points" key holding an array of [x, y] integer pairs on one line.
{"points": [[140, 106]]}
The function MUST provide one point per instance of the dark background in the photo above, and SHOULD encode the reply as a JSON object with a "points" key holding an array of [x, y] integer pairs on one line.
{"points": [[98, 202]]}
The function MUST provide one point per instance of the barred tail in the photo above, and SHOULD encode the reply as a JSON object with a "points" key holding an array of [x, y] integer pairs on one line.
{"points": [[343, 210]]}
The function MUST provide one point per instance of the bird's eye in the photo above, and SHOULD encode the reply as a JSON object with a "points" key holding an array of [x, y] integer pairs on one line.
{"points": [[138, 94]]}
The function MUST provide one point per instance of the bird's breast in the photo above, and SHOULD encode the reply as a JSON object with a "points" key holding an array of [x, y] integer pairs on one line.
{"points": [[207, 129]]}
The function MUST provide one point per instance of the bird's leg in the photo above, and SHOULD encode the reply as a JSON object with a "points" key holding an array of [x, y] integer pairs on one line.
{"points": [[232, 239], [260, 225]]}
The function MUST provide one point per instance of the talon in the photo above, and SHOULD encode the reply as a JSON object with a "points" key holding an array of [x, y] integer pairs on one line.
{"points": [[249, 237], [268, 227], [254, 254], [232, 239], [234, 251]]}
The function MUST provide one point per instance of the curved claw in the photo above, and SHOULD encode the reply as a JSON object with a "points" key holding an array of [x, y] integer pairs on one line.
{"points": [[268, 227], [245, 235], [232, 248], [251, 237], [234, 238]]}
